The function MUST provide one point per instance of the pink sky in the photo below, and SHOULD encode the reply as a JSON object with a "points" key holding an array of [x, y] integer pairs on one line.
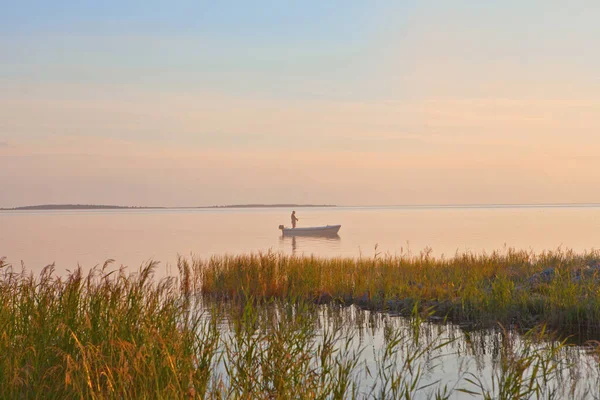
{"points": [[423, 105]]}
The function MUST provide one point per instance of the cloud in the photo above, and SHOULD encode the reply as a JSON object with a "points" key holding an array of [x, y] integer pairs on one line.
{"points": [[4, 143]]}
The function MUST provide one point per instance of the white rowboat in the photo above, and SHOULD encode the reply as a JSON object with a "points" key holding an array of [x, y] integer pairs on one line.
{"points": [[327, 230]]}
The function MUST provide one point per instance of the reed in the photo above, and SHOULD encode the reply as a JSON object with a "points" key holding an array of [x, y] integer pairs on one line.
{"points": [[112, 334], [103, 335], [509, 287], [527, 369]]}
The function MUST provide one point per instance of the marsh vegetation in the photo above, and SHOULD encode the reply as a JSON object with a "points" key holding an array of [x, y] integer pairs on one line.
{"points": [[275, 326], [515, 288]]}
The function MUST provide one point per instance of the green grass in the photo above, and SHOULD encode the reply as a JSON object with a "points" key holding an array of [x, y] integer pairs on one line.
{"points": [[106, 334], [481, 290], [112, 334]]}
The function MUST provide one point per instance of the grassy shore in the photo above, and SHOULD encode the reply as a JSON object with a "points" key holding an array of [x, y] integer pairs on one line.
{"points": [[114, 334], [558, 288]]}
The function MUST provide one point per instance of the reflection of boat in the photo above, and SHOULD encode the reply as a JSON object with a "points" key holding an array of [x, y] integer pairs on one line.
{"points": [[328, 243], [328, 230]]}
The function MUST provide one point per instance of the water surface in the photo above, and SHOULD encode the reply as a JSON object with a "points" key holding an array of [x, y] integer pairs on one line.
{"points": [[132, 237]]}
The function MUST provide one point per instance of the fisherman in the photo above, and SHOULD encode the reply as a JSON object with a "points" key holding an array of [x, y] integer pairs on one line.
{"points": [[294, 219]]}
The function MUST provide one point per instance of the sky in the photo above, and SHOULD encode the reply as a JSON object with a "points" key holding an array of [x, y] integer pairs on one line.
{"points": [[190, 103]]}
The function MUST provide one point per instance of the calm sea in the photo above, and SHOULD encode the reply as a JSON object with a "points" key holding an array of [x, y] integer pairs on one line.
{"points": [[131, 237]]}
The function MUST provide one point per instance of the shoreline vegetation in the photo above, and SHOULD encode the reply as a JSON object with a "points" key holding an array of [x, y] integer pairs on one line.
{"points": [[113, 207], [515, 288], [252, 326]]}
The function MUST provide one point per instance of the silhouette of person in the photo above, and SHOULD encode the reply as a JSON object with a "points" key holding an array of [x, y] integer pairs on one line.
{"points": [[294, 219]]}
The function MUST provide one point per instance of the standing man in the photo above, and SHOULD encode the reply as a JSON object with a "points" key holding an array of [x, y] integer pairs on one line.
{"points": [[294, 219]]}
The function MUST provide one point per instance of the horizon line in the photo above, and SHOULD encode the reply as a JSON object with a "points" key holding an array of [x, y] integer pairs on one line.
{"points": [[71, 206]]}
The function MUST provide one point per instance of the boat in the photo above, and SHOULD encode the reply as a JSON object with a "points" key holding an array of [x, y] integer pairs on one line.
{"points": [[327, 230]]}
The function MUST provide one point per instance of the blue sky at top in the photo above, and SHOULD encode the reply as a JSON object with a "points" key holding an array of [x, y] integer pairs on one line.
{"points": [[260, 46], [256, 19]]}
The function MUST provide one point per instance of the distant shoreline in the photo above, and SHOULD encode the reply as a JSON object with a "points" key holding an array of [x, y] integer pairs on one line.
{"points": [[270, 205], [75, 207], [44, 207]]}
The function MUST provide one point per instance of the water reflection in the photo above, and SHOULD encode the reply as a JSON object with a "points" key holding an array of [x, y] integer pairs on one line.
{"points": [[440, 354], [309, 244], [454, 353]]}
